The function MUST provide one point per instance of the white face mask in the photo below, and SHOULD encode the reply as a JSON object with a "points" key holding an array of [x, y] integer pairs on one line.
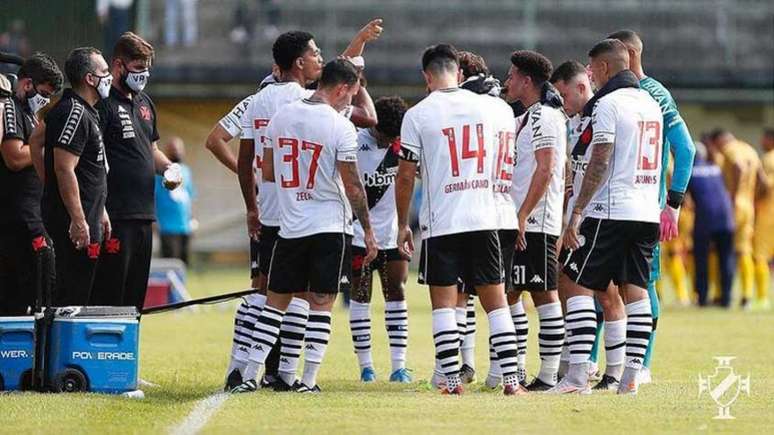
{"points": [[103, 85], [37, 102], [136, 81]]}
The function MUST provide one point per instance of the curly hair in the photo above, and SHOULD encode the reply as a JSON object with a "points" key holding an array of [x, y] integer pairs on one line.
{"points": [[42, 69], [533, 65], [390, 111], [289, 46]]}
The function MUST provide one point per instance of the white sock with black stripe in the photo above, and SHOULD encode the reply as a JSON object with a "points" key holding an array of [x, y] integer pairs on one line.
{"points": [[396, 323], [360, 326], [615, 347], [265, 335], [468, 347], [502, 335], [292, 333], [244, 320], [318, 333], [447, 345], [639, 327], [550, 340], [521, 325], [581, 327]]}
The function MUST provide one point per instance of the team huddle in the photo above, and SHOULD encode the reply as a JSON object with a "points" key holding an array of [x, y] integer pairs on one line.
{"points": [[553, 183]]}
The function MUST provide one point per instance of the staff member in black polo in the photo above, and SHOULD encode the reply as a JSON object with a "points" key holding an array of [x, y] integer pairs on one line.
{"points": [[75, 184], [22, 235], [128, 122]]}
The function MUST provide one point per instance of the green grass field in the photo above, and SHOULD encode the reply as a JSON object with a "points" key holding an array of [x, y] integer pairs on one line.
{"points": [[185, 353]]}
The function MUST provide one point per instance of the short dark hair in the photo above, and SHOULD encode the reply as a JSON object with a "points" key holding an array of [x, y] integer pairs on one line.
{"points": [[389, 112], [79, 63], [567, 71], [42, 69], [608, 45], [717, 132], [472, 64], [626, 36], [289, 46], [338, 72], [131, 46], [440, 58], [533, 65]]}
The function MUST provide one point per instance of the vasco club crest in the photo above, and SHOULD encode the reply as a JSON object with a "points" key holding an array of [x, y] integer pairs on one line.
{"points": [[724, 386]]}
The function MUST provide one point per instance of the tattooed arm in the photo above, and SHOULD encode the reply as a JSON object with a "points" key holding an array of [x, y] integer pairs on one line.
{"points": [[356, 195], [595, 174]]}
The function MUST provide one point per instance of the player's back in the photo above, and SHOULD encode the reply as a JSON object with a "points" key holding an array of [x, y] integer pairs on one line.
{"points": [[456, 143], [307, 139], [632, 121], [743, 156]]}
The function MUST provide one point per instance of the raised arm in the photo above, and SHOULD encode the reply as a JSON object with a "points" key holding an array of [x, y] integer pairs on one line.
{"points": [[368, 33]]}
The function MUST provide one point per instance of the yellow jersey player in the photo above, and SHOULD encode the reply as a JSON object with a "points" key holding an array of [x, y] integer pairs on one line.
{"points": [[763, 245]]}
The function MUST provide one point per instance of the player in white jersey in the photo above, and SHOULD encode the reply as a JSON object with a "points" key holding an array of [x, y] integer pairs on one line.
{"points": [[454, 139], [614, 225], [311, 154], [297, 63], [377, 160], [541, 142], [573, 83]]}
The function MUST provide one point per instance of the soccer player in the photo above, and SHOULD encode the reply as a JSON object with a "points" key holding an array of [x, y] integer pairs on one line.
{"points": [[299, 63], [75, 188], [377, 158], [23, 239], [740, 166], [574, 85], [541, 142], [614, 225], [763, 243], [318, 187], [677, 140], [454, 137], [128, 124]]}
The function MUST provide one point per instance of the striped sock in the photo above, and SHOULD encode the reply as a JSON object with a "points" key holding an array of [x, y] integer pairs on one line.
{"points": [[447, 345], [550, 340], [360, 326], [468, 347], [615, 347], [244, 321], [265, 334], [318, 333], [581, 326], [292, 338], [503, 339], [520, 322], [639, 326], [494, 362], [396, 323]]}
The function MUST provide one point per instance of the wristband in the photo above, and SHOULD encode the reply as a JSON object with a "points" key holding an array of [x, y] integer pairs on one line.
{"points": [[675, 199]]}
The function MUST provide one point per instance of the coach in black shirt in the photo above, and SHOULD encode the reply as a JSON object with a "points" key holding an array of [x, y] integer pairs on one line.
{"points": [[75, 183], [22, 235], [128, 122]]}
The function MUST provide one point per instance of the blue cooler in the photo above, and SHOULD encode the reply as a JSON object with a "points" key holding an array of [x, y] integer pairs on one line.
{"points": [[17, 350], [93, 349]]}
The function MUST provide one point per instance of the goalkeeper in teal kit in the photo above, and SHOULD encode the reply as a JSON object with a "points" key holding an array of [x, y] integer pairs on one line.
{"points": [[679, 142]]}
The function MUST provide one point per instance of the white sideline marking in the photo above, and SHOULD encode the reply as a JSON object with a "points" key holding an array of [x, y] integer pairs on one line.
{"points": [[198, 417]]}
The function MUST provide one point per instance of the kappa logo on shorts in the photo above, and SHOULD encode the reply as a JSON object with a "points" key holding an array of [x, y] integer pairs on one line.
{"points": [[422, 276], [536, 280], [531, 220], [574, 267], [344, 280], [599, 208]]}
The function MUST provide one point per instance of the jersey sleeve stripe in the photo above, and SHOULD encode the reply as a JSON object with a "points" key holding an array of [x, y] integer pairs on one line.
{"points": [[72, 123]]}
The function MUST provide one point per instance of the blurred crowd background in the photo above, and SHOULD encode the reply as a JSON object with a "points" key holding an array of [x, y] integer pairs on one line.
{"points": [[716, 57]]}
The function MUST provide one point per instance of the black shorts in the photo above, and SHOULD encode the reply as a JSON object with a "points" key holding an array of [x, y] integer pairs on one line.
{"points": [[260, 251], [382, 257], [536, 268], [618, 251], [320, 263], [473, 257], [507, 247]]}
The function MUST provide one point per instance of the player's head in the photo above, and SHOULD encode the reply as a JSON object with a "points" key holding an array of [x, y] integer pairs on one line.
{"points": [[87, 71], [719, 137], [39, 79], [440, 66], [607, 58], [296, 52], [131, 62], [471, 64], [633, 44], [529, 71], [340, 81], [572, 82], [389, 112], [767, 141]]}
